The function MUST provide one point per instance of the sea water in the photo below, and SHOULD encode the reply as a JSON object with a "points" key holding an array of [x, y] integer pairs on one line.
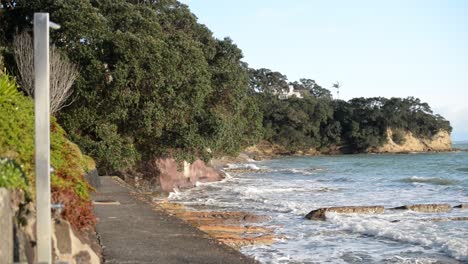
{"points": [[288, 188]]}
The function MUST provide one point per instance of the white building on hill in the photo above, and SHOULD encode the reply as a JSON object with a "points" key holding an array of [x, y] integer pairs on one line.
{"points": [[291, 92]]}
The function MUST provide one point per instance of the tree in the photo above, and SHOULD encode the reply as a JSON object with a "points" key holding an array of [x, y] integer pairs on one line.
{"points": [[311, 87], [337, 86], [267, 81], [153, 81], [62, 72]]}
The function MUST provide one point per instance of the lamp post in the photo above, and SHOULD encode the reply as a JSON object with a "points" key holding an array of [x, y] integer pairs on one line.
{"points": [[42, 135]]}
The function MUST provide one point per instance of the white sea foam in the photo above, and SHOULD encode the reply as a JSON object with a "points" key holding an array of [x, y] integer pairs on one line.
{"points": [[175, 194], [287, 189], [242, 166], [424, 234]]}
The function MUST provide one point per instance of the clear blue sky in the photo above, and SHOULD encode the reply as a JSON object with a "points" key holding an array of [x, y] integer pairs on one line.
{"points": [[373, 48]]}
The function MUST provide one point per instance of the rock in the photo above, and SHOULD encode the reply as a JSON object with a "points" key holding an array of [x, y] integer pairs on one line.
{"points": [[235, 229], [461, 206], [238, 242], [6, 227], [222, 217], [173, 175], [70, 247], [426, 208], [171, 207], [439, 142], [226, 227], [67, 245], [62, 234], [25, 233], [320, 214]]}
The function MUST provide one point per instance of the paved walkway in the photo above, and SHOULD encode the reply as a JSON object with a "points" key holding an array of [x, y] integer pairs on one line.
{"points": [[131, 232]]}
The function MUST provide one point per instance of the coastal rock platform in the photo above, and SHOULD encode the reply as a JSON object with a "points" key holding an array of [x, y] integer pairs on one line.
{"points": [[235, 229]]}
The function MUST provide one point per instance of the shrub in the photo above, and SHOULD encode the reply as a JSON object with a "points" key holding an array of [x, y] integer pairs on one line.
{"points": [[69, 186], [12, 176], [7, 88], [398, 136]]}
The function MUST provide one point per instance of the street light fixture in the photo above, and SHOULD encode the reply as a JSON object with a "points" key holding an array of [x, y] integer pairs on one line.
{"points": [[42, 135]]}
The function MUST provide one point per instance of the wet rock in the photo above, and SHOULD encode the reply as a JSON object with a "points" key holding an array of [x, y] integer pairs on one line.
{"points": [[426, 208], [226, 217], [320, 214], [235, 229], [227, 227], [461, 206], [238, 242]]}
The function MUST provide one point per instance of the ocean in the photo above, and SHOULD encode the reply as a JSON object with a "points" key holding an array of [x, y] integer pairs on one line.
{"points": [[288, 188]]}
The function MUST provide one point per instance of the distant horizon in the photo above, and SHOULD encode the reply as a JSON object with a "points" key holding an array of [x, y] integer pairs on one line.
{"points": [[398, 49]]}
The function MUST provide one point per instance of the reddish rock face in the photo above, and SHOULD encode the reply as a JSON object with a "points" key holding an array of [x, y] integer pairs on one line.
{"points": [[172, 175]]}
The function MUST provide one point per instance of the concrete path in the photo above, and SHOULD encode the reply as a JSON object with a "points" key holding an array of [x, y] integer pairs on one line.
{"points": [[132, 232]]}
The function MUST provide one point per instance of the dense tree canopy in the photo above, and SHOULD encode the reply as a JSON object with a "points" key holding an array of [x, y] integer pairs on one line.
{"points": [[154, 82], [318, 121]]}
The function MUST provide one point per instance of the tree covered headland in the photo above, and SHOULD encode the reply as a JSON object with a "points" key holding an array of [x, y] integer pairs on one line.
{"points": [[153, 82]]}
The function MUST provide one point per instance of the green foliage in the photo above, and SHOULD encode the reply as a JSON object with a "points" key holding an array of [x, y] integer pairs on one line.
{"points": [[12, 176], [153, 81], [7, 88], [17, 143], [317, 121], [398, 137]]}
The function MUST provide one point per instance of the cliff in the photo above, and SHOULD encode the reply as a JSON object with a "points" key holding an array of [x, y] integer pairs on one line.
{"points": [[397, 142], [409, 143]]}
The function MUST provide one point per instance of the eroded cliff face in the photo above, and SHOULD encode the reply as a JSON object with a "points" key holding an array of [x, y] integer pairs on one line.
{"points": [[439, 142]]}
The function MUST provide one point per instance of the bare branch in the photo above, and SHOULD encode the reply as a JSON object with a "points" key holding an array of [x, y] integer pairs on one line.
{"points": [[63, 73], [24, 56]]}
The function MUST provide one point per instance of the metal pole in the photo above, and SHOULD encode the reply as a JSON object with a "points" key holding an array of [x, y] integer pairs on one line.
{"points": [[42, 137]]}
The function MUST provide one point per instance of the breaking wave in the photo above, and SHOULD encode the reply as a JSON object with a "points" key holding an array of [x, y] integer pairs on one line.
{"points": [[411, 233]]}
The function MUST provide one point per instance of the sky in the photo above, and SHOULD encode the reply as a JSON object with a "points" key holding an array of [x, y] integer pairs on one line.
{"points": [[395, 48]]}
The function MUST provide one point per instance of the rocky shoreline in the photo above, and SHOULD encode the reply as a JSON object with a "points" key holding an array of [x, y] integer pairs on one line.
{"points": [[235, 229], [232, 228]]}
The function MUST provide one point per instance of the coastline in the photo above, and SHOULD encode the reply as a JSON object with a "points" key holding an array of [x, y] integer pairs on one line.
{"points": [[160, 237], [287, 192], [235, 228]]}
